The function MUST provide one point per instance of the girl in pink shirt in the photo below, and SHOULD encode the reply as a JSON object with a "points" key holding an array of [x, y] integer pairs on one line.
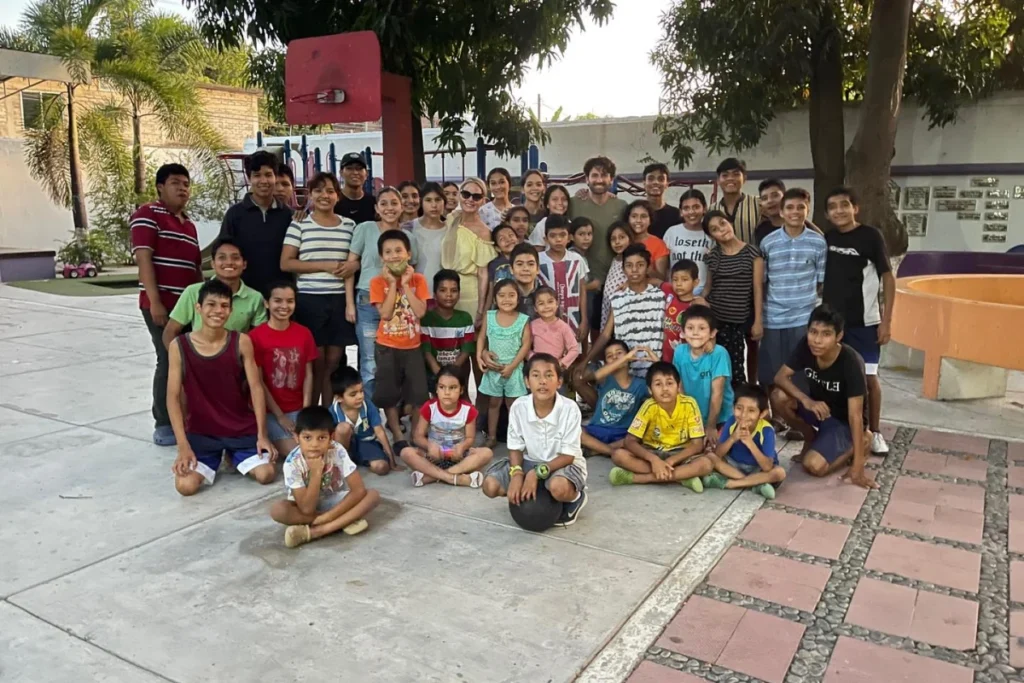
{"points": [[550, 333]]}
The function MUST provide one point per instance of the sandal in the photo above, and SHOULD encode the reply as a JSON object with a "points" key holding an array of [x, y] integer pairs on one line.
{"points": [[491, 443], [296, 535], [476, 480], [417, 479], [356, 527]]}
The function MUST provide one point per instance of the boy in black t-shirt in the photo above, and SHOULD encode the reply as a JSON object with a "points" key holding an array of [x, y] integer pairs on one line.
{"points": [[831, 415], [857, 267]]}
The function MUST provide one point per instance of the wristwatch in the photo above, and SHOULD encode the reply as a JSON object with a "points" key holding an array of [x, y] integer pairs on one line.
{"points": [[543, 472], [513, 470]]}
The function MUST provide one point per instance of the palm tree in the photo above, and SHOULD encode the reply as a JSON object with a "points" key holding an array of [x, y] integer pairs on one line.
{"points": [[62, 28], [152, 60]]}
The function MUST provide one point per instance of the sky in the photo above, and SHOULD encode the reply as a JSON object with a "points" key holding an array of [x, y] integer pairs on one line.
{"points": [[619, 50]]}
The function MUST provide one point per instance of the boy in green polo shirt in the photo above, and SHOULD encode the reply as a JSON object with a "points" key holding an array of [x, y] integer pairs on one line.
{"points": [[247, 309]]}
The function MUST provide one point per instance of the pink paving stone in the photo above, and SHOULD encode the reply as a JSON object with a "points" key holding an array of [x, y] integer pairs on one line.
{"points": [[827, 495], [962, 443], [1015, 475], [1017, 639], [1016, 523], [701, 628], [1015, 450], [940, 521], [945, 621], [929, 492], [1017, 581], [948, 465], [769, 577], [762, 646], [888, 430], [927, 562], [855, 661], [649, 672], [882, 606], [800, 534]]}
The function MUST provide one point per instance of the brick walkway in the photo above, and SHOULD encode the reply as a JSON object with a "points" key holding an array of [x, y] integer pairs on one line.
{"points": [[920, 581]]}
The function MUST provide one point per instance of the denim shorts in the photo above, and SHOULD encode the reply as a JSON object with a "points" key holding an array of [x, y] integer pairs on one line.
{"points": [[833, 438], [274, 429]]}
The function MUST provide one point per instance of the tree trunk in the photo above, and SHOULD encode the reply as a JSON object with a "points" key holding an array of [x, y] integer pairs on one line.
{"points": [[419, 162], [825, 113], [869, 159], [138, 160], [79, 214]]}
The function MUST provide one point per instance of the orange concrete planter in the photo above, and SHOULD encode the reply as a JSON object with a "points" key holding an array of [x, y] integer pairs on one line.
{"points": [[974, 318]]}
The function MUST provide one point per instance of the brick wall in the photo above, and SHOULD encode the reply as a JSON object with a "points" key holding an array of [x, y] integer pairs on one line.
{"points": [[233, 112]]}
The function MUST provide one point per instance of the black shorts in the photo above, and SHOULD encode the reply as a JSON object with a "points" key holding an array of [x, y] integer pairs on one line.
{"points": [[401, 377], [324, 315]]}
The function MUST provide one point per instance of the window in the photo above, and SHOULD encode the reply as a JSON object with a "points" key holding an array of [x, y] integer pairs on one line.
{"points": [[33, 106]]}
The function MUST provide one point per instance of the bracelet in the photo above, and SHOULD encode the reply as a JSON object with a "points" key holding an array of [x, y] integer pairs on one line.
{"points": [[514, 469]]}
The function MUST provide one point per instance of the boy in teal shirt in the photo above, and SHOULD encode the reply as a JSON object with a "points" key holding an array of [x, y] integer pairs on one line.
{"points": [[705, 370]]}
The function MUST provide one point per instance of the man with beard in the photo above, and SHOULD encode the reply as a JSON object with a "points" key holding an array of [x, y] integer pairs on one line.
{"points": [[655, 184], [355, 203], [602, 208]]}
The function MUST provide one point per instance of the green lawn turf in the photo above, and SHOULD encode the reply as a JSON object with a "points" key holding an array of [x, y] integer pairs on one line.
{"points": [[101, 285]]}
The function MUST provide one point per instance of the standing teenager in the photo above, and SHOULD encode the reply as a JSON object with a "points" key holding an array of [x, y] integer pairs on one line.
{"points": [[355, 203], [687, 241], [742, 210], [499, 185], [655, 185]]}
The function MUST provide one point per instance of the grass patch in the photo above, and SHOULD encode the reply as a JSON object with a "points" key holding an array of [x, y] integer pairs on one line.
{"points": [[101, 285]]}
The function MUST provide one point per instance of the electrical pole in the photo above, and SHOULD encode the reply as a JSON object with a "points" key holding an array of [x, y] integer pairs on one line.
{"points": [[538, 108]]}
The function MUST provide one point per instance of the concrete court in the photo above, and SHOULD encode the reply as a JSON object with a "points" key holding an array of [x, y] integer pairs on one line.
{"points": [[107, 574]]}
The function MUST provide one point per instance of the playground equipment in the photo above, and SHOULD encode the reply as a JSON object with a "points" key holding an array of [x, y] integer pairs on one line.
{"points": [[962, 329]]}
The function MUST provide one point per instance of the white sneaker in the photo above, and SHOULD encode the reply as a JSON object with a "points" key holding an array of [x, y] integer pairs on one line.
{"points": [[878, 444]]}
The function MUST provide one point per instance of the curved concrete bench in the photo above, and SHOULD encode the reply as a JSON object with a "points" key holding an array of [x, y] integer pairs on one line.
{"points": [[968, 328]]}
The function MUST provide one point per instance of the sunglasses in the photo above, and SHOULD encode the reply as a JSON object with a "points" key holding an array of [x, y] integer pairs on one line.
{"points": [[475, 196]]}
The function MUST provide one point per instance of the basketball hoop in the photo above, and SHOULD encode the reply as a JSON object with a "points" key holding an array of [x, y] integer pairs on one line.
{"points": [[333, 96]]}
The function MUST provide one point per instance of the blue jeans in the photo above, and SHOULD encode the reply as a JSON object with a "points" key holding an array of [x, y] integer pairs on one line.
{"points": [[367, 320]]}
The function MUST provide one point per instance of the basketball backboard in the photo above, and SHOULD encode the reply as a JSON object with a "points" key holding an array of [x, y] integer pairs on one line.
{"points": [[333, 79]]}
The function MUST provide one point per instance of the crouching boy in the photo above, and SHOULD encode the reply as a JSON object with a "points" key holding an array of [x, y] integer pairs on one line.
{"points": [[325, 492], [746, 457]]}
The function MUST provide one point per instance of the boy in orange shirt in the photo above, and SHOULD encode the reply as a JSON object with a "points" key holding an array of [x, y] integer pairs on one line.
{"points": [[400, 294]]}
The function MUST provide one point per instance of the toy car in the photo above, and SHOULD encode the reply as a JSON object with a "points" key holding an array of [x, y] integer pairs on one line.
{"points": [[81, 270]]}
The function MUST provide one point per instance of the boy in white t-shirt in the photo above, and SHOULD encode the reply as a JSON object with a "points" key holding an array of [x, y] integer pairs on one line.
{"points": [[544, 431], [325, 492]]}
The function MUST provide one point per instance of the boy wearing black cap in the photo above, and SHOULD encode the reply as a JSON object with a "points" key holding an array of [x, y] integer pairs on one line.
{"points": [[355, 203]]}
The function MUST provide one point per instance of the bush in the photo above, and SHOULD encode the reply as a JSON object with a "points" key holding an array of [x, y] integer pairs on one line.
{"points": [[95, 248]]}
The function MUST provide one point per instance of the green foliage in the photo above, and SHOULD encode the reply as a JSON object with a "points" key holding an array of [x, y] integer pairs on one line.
{"points": [[462, 55], [95, 248], [265, 70]]}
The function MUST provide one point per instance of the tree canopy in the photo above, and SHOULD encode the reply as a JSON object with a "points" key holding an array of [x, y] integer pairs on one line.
{"points": [[463, 56], [728, 72]]}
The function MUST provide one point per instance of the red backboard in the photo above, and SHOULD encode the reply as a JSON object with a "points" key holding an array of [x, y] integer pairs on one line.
{"points": [[319, 71]]}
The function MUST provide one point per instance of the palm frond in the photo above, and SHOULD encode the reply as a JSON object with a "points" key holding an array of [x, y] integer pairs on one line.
{"points": [[46, 155]]}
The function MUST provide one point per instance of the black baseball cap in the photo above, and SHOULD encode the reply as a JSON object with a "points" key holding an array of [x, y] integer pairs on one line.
{"points": [[352, 158]]}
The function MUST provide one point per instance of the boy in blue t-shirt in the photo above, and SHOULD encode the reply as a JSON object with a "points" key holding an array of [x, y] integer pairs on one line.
{"points": [[746, 457], [360, 429], [705, 370], [619, 396]]}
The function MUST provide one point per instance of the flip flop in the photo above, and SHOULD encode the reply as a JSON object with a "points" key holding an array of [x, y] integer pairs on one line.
{"points": [[417, 479], [356, 527], [476, 479]]}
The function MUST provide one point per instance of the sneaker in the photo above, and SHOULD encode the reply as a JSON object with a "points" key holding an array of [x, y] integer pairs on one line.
{"points": [[296, 535], [715, 480], [164, 436], [767, 491], [694, 484], [571, 511], [620, 477], [878, 444]]}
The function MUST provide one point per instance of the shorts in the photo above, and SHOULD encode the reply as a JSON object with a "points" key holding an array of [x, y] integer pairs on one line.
{"points": [[604, 434], [666, 454], [496, 386], [864, 341], [833, 437], [210, 449], [574, 473], [324, 315], [401, 375], [274, 429], [745, 468], [775, 349], [365, 452]]}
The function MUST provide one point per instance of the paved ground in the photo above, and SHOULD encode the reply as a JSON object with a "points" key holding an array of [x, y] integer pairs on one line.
{"points": [[107, 574]]}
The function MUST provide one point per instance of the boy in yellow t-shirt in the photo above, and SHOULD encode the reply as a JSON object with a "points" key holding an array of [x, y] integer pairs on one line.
{"points": [[665, 443]]}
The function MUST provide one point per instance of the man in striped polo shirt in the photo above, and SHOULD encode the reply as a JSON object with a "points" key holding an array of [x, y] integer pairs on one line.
{"points": [[794, 266], [742, 210], [166, 249]]}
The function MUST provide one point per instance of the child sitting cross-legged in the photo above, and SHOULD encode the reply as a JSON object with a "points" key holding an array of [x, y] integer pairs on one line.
{"points": [[358, 426], [617, 396], [665, 443], [442, 447], [325, 492], [746, 457]]}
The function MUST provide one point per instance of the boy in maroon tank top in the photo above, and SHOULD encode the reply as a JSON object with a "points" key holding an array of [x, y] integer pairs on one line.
{"points": [[215, 399]]}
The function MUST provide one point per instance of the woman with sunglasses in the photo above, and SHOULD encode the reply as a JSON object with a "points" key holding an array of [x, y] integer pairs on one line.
{"points": [[499, 183], [467, 248]]}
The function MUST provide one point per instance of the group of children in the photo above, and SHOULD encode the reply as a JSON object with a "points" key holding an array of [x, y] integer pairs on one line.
{"points": [[670, 401]]}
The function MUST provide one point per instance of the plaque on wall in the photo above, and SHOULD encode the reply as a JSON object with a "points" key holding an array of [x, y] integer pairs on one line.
{"points": [[956, 205], [985, 182], [995, 227], [1018, 191], [997, 215], [916, 224], [968, 216], [916, 198], [998, 205], [972, 194], [949, 191], [993, 237], [998, 194]]}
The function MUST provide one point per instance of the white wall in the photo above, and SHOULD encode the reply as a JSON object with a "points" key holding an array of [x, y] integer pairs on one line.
{"points": [[28, 217]]}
